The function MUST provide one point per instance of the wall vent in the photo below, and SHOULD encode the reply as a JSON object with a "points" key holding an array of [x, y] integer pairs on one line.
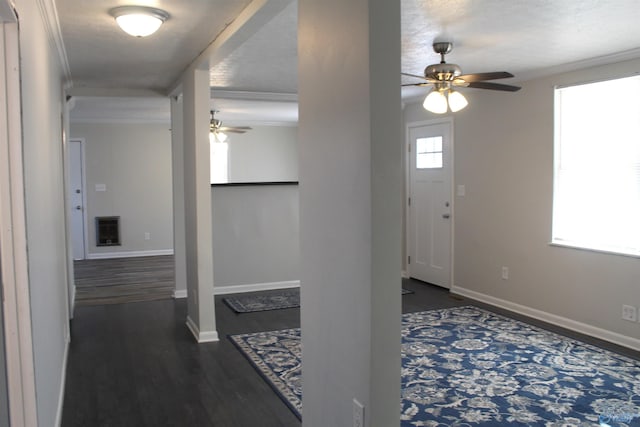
{"points": [[107, 231]]}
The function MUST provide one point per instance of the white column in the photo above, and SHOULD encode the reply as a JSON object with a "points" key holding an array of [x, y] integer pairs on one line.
{"points": [[177, 168], [197, 199], [350, 210]]}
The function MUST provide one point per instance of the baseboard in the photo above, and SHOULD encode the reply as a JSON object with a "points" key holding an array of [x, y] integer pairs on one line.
{"points": [[236, 289], [179, 293], [62, 383], [405, 274], [564, 322], [129, 254], [72, 309], [201, 337]]}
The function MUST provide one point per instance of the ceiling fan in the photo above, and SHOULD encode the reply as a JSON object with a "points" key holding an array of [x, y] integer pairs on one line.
{"points": [[444, 77], [218, 131]]}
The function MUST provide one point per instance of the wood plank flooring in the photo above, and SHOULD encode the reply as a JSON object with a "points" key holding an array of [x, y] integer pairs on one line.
{"points": [[120, 280], [138, 365]]}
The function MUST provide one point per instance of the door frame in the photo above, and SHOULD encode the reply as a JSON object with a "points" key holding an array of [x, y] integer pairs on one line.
{"points": [[85, 223], [407, 165], [13, 237]]}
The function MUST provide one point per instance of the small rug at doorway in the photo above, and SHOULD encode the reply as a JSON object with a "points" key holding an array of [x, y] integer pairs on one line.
{"points": [[264, 301], [466, 366]]}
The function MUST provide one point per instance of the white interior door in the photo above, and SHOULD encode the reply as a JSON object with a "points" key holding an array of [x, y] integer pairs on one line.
{"points": [[430, 199], [76, 174]]}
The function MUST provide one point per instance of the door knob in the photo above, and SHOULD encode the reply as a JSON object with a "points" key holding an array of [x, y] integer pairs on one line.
{"points": [[79, 207], [445, 216]]}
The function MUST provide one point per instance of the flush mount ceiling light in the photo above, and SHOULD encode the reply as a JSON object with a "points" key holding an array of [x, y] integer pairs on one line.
{"points": [[139, 21]]}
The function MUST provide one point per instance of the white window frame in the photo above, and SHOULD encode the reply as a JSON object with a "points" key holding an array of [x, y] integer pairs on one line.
{"points": [[557, 238]]}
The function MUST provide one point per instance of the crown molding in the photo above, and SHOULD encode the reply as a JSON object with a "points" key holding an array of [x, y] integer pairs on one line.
{"points": [[583, 64], [121, 120], [7, 14], [51, 22], [105, 92], [253, 96]]}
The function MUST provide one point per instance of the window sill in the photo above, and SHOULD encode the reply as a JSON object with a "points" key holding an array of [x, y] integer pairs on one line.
{"points": [[595, 250]]}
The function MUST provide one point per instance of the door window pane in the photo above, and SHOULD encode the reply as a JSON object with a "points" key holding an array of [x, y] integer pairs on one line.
{"points": [[429, 153]]}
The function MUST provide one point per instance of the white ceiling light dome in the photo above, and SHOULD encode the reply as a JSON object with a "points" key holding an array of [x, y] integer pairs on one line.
{"points": [[139, 21]]}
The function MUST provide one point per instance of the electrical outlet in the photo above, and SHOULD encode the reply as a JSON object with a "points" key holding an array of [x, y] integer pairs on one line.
{"points": [[505, 273], [629, 313], [358, 414]]}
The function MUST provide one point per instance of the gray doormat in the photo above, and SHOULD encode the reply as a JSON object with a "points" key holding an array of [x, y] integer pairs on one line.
{"points": [[272, 300], [288, 298]]}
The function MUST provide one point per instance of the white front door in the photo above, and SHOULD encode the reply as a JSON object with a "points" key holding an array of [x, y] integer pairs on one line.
{"points": [[430, 197], [76, 173]]}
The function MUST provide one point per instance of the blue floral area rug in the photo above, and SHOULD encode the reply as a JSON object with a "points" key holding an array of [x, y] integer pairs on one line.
{"points": [[289, 298], [469, 367]]}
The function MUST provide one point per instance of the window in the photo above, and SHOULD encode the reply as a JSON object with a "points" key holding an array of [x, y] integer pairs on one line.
{"points": [[219, 152], [597, 166], [429, 153]]}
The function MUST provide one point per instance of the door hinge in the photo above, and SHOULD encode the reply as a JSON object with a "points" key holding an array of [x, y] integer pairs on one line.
{"points": [[409, 147], [409, 259], [409, 201]]}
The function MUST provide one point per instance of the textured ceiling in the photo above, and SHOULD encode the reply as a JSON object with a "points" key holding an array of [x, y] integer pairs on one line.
{"points": [[525, 37], [102, 56], [268, 62], [529, 38]]}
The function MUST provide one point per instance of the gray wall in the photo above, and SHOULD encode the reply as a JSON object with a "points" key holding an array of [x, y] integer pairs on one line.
{"points": [[134, 162], [350, 209], [42, 101], [504, 157], [265, 153], [255, 234]]}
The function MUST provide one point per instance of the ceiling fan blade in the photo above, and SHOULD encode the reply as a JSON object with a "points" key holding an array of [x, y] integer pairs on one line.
{"points": [[233, 128], [418, 84], [494, 86], [414, 75], [477, 77]]}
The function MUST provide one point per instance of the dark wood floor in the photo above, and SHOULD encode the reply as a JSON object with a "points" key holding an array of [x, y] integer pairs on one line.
{"points": [[121, 280], [137, 365]]}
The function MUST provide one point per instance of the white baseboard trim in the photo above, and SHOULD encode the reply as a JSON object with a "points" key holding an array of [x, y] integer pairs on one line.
{"points": [[236, 289], [62, 382], [179, 293], [201, 337], [564, 322], [72, 309], [405, 274], [129, 254]]}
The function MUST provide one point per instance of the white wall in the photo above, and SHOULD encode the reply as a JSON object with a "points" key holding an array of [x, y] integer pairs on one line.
{"points": [[255, 234], [264, 154], [504, 157], [42, 101], [134, 162]]}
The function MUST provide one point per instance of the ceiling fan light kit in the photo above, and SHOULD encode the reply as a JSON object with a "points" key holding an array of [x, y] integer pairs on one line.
{"points": [[139, 21], [435, 102], [217, 131], [457, 101], [445, 76]]}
